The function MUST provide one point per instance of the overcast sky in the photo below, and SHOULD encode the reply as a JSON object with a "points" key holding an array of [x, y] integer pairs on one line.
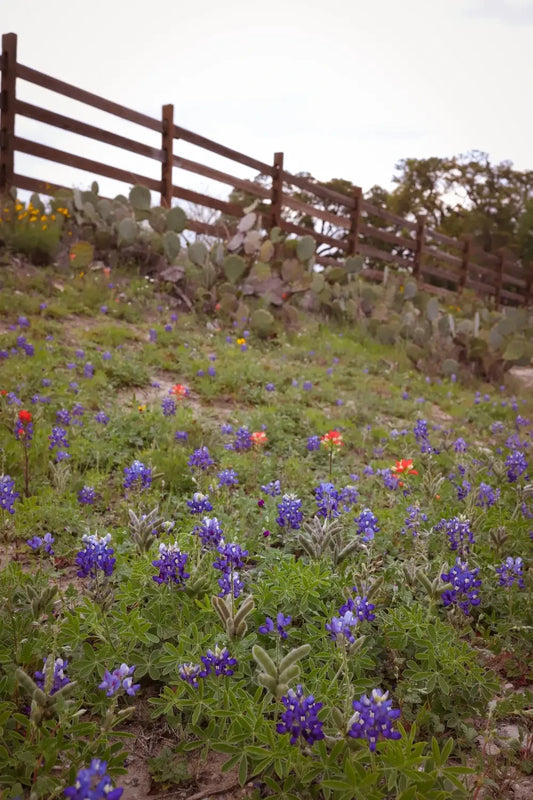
{"points": [[345, 88]]}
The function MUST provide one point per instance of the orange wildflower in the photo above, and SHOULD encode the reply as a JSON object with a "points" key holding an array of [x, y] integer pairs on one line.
{"points": [[259, 438], [405, 465]]}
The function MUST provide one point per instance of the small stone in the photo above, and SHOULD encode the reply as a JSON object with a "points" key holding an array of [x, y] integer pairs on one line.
{"points": [[489, 747], [508, 733]]}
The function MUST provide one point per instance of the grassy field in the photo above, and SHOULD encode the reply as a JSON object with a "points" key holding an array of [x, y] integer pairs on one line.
{"points": [[317, 581]]}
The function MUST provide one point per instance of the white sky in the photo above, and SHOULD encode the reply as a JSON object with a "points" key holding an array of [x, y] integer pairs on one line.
{"points": [[343, 88]]}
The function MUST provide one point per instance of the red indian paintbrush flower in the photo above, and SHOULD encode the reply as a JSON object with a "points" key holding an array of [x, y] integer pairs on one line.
{"points": [[258, 437], [179, 390], [25, 417], [332, 439], [404, 466]]}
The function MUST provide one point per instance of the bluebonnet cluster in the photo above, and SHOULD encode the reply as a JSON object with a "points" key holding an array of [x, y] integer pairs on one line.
{"points": [[487, 496], [496, 427], [313, 443], [87, 496], [95, 556], [200, 459], [59, 678], [511, 571], [367, 524], [414, 518], [243, 440], [289, 512], [373, 717], [281, 623], [228, 477], [88, 370], [199, 503], [36, 542], [7, 493], [360, 606], [300, 717], [25, 346], [102, 418], [119, 678], [273, 488], [168, 407], [270, 387], [460, 446], [230, 559], [458, 531], [171, 565], [463, 489], [226, 429], [93, 783], [210, 532], [516, 464], [331, 502], [341, 627], [181, 436], [63, 416], [216, 662], [465, 586], [138, 475], [421, 433]]}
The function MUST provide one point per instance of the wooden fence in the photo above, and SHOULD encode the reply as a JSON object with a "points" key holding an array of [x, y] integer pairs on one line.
{"points": [[376, 234]]}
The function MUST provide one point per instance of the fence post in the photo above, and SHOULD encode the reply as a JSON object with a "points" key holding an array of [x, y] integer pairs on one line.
{"points": [[7, 111], [167, 140], [465, 259], [276, 197], [499, 281], [419, 246], [355, 221]]}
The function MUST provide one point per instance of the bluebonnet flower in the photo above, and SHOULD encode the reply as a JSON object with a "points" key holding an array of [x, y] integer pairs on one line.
{"points": [[243, 440], [137, 475], [217, 662], [58, 438], [341, 627], [497, 427], [36, 542], [211, 371], [102, 418], [59, 679], [413, 520], [230, 582], [367, 524], [168, 407], [95, 556], [226, 429], [458, 531], [231, 557], [373, 717], [307, 386], [200, 459], [119, 678], [153, 335], [63, 416], [300, 717], [281, 623], [181, 436], [359, 606], [106, 355], [13, 400], [23, 322], [272, 489], [77, 411], [228, 477], [270, 387], [390, 480], [510, 571], [289, 513], [93, 783], [460, 446], [420, 431], [88, 370], [87, 496], [516, 464], [520, 420], [22, 344], [171, 565], [487, 496], [465, 586], [74, 386], [200, 373], [463, 490], [348, 496], [210, 532], [7, 493], [103, 309], [190, 674], [327, 500], [199, 503], [61, 455], [24, 427], [80, 353]]}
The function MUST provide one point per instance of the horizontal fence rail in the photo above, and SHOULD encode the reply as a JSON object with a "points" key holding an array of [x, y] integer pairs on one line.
{"points": [[358, 228]]}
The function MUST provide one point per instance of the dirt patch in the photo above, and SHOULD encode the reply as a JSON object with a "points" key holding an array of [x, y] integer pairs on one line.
{"points": [[525, 376], [439, 415]]}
